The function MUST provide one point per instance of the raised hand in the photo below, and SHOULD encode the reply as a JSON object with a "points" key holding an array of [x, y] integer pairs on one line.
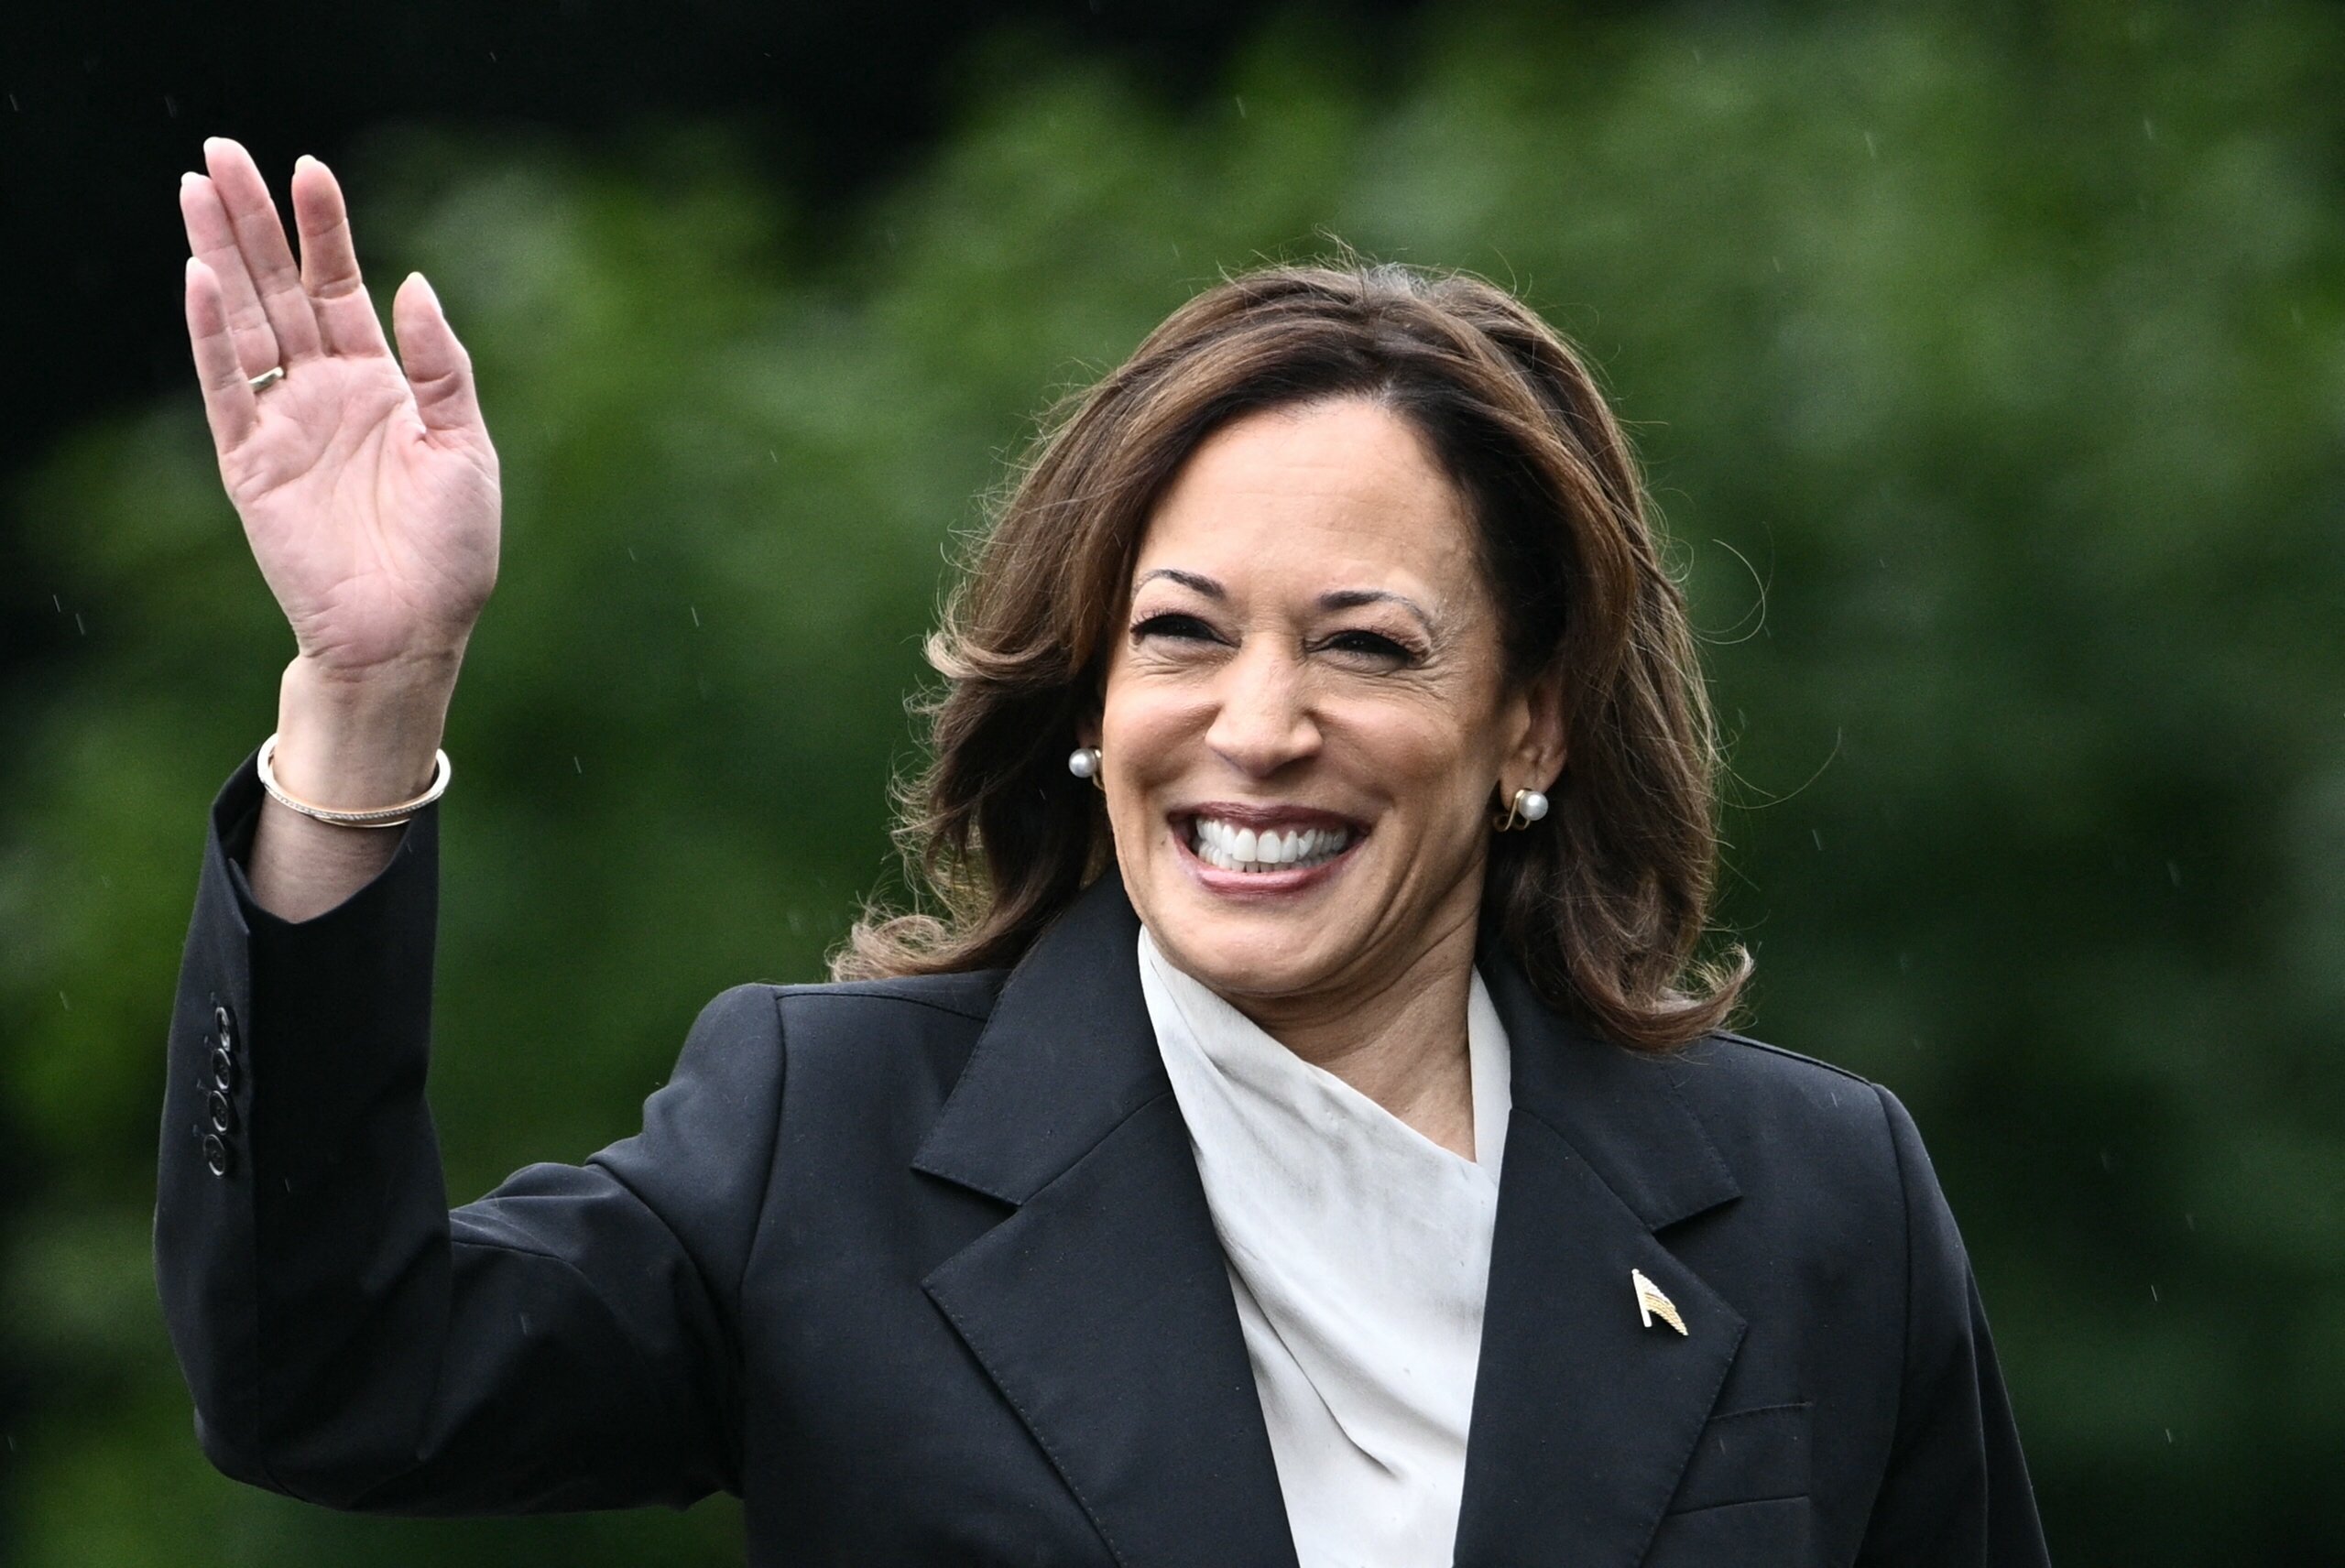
{"points": [[368, 493]]}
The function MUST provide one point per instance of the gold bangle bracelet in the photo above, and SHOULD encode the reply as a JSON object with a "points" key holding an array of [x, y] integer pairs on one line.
{"points": [[384, 817]]}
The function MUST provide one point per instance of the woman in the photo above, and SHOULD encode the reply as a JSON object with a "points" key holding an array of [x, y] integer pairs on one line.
{"points": [[1300, 1140]]}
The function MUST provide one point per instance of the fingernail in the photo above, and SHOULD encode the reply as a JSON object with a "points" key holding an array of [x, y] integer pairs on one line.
{"points": [[305, 158], [190, 178], [429, 292]]}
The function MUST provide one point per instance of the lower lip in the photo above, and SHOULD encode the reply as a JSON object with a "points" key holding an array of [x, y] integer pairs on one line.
{"points": [[1262, 884]]}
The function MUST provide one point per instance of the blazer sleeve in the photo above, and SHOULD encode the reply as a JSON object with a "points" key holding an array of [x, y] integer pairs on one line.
{"points": [[1956, 1492], [570, 1341]]}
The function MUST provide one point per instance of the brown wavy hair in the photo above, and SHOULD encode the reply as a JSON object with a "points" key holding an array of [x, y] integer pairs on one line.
{"points": [[1605, 902]]}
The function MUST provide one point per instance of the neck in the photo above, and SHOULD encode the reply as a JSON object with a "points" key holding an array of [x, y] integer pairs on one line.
{"points": [[1400, 1039]]}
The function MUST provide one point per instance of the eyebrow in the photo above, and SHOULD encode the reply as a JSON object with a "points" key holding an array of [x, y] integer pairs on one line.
{"points": [[1193, 580], [1335, 599], [1353, 598]]}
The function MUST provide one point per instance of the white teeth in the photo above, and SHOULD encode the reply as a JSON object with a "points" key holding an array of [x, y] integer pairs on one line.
{"points": [[1229, 848]]}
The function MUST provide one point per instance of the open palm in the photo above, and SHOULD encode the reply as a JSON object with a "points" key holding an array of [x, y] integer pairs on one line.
{"points": [[368, 492]]}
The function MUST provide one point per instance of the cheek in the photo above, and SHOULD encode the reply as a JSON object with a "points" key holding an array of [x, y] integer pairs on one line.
{"points": [[1148, 731], [1418, 748]]}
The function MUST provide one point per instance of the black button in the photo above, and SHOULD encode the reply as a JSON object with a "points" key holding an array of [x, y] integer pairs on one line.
{"points": [[223, 1071], [223, 1025], [218, 1155], [222, 1115]]}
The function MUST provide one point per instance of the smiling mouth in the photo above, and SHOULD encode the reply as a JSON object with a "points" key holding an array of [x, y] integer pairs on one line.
{"points": [[1230, 847]]}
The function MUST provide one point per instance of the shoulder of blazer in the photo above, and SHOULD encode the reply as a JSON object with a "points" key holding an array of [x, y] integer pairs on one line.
{"points": [[970, 994], [1730, 1038], [1771, 1108], [861, 1026], [1735, 1063]]}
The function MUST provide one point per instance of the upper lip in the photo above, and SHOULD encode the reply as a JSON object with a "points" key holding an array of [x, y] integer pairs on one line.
{"points": [[1260, 815]]}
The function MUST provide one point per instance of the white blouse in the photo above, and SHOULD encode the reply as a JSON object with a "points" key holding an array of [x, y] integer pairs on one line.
{"points": [[1359, 1252]]}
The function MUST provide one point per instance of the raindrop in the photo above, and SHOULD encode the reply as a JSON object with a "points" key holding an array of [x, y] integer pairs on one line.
{"points": [[2153, 1293], [1818, 837], [695, 610], [2174, 873], [2169, 1434], [1241, 106], [2149, 131], [67, 1000], [1870, 150], [77, 625], [578, 765]]}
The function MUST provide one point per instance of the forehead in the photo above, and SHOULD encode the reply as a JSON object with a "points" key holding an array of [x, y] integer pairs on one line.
{"points": [[1345, 488]]}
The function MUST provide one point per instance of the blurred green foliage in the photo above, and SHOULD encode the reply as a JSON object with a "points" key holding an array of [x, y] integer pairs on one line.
{"points": [[1993, 377]]}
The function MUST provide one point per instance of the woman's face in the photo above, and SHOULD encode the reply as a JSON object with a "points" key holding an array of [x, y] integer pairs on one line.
{"points": [[1306, 720]]}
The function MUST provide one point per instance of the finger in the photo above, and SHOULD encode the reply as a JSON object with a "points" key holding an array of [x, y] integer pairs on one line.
{"points": [[260, 237], [438, 368], [212, 242], [228, 400], [345, 315]]}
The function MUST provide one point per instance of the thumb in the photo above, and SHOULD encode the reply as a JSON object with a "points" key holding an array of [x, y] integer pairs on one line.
{"points": [[439, 371]]}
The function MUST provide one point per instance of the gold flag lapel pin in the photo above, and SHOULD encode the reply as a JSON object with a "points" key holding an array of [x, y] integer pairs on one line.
{"points": [[1652, 1303]]}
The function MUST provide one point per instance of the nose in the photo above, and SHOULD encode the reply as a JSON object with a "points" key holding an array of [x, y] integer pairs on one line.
{"points": [[1263, 721]]}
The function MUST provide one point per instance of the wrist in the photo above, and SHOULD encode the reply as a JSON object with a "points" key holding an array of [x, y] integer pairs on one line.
{"points": [[355, 743]]}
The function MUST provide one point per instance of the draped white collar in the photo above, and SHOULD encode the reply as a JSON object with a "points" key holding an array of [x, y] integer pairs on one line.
{"points": [[1359, 1254]]}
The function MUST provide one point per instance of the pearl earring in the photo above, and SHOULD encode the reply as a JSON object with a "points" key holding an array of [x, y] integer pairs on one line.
{"points": [[1527, 806], [1084, 762]]}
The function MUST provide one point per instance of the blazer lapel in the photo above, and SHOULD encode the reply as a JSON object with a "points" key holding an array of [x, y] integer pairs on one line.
{"points": [[1101, 1306], [1584, 1418]]}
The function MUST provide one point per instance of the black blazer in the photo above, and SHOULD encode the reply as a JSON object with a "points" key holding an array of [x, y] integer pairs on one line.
{"points": [[923, 1270]]}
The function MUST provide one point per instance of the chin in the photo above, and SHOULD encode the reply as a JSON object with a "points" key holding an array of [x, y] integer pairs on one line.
{"points": [[1247, 958]]}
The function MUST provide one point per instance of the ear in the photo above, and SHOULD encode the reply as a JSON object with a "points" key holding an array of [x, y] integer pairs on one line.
{"points": [[1539, 731]]}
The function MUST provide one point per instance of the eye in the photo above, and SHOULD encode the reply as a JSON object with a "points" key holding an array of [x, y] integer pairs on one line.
{"points": [[1179, 628], [1370, 644]]}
